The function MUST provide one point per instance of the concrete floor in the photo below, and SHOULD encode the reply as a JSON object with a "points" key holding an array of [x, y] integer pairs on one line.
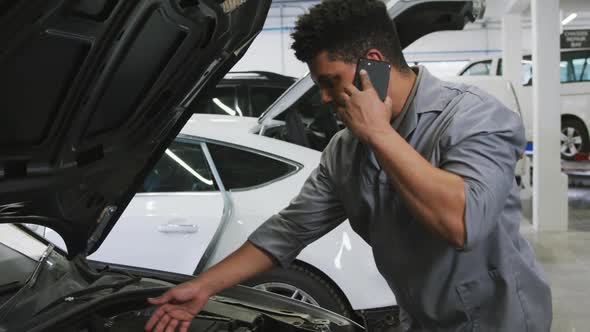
{"points": [[565, 256]]}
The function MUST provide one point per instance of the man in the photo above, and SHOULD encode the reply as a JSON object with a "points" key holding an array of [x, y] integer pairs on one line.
{"points": [[426, 178]]}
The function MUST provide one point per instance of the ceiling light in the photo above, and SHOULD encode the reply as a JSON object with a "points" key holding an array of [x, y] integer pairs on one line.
{"points": [[224, 107], [188, 168], [569, 18]]}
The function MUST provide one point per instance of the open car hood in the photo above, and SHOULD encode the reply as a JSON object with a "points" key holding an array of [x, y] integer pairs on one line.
{"points": [[417, 18], [413, 19], [93, 91]]}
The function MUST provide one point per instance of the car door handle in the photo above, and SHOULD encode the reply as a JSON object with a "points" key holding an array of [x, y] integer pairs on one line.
{"points": [[178, 228]]}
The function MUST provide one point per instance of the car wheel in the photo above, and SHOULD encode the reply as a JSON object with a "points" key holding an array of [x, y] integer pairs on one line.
{"points": [[303, 284], [574, 138]]}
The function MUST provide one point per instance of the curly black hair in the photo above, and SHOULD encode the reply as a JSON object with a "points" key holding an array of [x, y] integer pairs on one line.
{"points": [[347, 29]]}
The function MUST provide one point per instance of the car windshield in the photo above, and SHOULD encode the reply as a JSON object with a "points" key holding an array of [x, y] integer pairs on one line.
{"points": [[300, 117], [24, 261], [288, 97], [14, 238], [34, 272]]}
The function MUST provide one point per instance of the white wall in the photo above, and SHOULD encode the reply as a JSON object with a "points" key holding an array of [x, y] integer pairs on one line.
{"points": [[271, 51], [480, 39]]}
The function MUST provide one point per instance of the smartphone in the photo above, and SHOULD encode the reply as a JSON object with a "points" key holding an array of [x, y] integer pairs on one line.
{"points": [[378, 74]]}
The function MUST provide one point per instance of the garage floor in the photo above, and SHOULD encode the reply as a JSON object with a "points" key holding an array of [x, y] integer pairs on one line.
{"points": [[565, 256]]}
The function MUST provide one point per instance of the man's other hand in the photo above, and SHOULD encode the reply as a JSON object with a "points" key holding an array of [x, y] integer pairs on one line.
{"points": [[177, 307]]}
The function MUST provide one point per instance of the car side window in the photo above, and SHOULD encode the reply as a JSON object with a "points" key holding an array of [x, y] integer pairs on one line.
{"points": [[566, 72], [223, 100], [574, 67], [527, 71], [482, 68], [526, 67], [585, 71], [241, 169], [182, 168], [262, 97]]}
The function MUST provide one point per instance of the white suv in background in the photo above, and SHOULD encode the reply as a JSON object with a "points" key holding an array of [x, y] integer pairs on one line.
{"points": [[575, 96]]}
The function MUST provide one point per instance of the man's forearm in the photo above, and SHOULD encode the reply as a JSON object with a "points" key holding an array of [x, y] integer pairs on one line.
{"points": [[435, 197], [241, 265]]}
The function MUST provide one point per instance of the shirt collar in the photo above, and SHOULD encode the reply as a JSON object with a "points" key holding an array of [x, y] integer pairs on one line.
{"points": [[429, 96], [425, 96]]}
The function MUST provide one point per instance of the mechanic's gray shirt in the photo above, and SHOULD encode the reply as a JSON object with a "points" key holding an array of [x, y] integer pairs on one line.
{"points": [[494, 282]]}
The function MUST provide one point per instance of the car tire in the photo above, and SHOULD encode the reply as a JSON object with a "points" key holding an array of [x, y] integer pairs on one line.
{"points": [[574, 138], [309, 285]]}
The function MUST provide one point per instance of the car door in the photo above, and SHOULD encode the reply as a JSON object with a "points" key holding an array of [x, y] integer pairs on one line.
{"points": [[169, 224], [258, 185], [575, 102]]}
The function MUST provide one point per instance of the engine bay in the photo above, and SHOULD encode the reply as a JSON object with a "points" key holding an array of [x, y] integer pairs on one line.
{"points": [[134, 320], [129, 311], [60, 294]]}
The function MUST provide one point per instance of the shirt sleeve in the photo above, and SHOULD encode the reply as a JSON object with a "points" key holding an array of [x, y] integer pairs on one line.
{"points": [[315, 211], [482, 145]]}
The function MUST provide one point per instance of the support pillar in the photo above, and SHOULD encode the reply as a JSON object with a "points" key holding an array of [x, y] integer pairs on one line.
{"points": [[550, 185]]}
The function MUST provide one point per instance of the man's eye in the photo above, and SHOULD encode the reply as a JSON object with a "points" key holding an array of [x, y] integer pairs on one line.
{"points": [[325, 83]]}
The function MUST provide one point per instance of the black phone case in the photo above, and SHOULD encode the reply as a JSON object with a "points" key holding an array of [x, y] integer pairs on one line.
{"points": [[378, 74]]}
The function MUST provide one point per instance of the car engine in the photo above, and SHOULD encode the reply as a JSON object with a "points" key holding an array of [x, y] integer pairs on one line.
{"points": [[71, 296], [135, 320]]}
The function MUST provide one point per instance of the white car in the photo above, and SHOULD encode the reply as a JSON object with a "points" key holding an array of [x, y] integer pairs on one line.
{"points": [[215, 185], [575, 96]]}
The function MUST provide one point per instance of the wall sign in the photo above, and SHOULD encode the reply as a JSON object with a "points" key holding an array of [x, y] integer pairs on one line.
{"points": [[575, 39]]}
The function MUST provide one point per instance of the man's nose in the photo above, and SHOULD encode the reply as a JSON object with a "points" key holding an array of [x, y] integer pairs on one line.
{"points": [[326, 98]]}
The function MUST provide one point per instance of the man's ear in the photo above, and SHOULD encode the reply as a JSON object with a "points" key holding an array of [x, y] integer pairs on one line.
{"points": [[374, 54]]}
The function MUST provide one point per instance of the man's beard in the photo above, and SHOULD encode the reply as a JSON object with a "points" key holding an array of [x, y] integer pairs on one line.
{"points": [[336, 106], [335, 110]]}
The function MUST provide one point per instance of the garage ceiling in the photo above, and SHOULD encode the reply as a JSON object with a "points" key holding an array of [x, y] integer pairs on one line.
{"points": [[496, 8], [575, 5]]}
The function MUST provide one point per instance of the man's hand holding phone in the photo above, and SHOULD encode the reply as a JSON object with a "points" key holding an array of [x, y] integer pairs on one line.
{"points": [[378, 73], [362, 111]]}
